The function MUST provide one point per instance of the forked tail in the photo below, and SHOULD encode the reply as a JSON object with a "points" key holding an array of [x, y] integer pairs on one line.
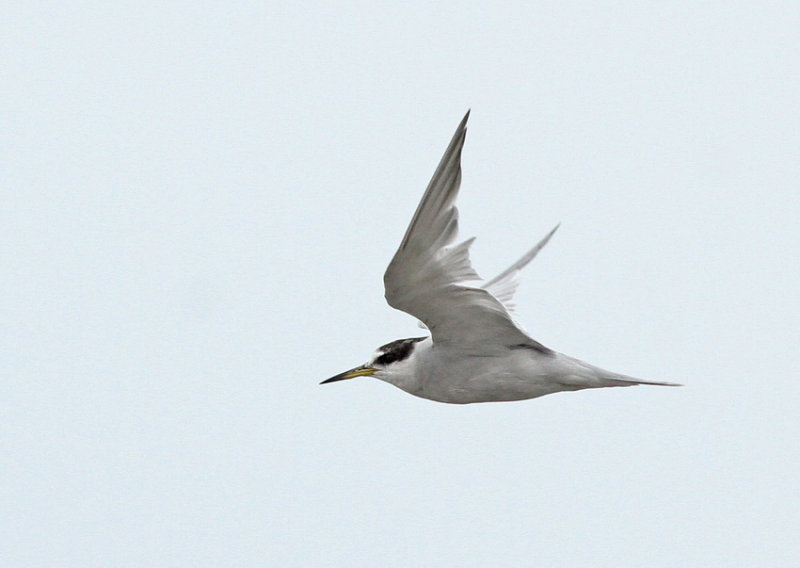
{"points": [[625, 381], [597, 377]]}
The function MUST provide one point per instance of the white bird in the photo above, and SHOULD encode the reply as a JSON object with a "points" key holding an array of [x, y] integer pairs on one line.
{"points": [[476, 351]]}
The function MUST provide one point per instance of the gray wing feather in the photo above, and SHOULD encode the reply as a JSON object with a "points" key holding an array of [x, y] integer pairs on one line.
{"points": [[504, 285]]}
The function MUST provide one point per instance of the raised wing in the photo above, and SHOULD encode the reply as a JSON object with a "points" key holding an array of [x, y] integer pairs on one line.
{"points": [[423, 279], [504, 285]]}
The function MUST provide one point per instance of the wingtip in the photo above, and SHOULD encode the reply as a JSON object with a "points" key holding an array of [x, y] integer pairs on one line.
{"points": [[547, 237], [466, 117]]}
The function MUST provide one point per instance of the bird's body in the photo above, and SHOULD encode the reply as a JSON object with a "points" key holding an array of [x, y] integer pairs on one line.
{"points": [[491, 374], [476, 352]]}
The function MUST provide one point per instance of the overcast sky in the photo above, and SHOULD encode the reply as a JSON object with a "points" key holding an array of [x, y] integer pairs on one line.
{"points": [[198, 204]]}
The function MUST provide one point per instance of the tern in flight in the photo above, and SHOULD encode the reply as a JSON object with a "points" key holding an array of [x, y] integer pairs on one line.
{"points": [[476, 352]]}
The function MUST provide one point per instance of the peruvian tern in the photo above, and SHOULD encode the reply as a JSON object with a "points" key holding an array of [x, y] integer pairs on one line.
{"points": [[476, 351]]}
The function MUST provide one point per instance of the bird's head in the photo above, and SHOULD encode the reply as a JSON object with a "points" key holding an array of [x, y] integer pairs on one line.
{"points": [[391, 363]]}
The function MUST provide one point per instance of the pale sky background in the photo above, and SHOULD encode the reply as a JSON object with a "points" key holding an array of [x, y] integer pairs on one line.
{"points": [[198, 203]]}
